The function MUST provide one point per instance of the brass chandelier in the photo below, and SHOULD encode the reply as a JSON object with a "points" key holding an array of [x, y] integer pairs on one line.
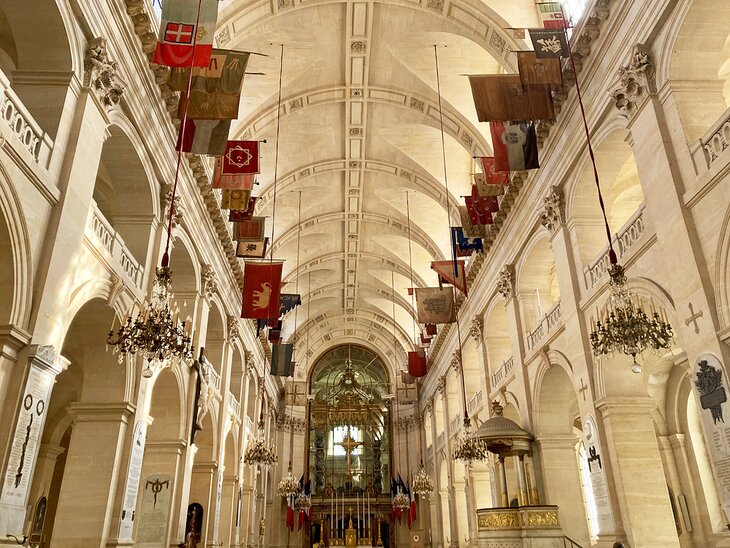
{"points": [[156, 332], [303, 502], [627, 328], [401, 501], [287, 486], [260, 453], [468, 447], [422, 482]]}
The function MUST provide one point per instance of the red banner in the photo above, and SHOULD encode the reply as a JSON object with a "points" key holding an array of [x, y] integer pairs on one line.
{"points": [[232, 182], [480, 208], [261, 289], [417, 363], [241, 157], [493, 176]]}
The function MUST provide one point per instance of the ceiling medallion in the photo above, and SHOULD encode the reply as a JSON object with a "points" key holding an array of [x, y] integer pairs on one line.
{"points": [[156, 332], [627, 328]]}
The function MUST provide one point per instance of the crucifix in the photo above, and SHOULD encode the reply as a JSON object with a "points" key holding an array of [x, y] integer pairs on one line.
{"points": [[349, 445], [583, 388], [694, 316]]}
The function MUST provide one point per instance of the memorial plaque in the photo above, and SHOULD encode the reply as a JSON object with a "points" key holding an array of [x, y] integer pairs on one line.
{"points": [[217, 514], [596, 468], [709, 385], [24, 449], [154, 511], [126, 525]]}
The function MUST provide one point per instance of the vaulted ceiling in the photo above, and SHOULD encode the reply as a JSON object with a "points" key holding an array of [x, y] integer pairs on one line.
{"points": [[359, 138]]}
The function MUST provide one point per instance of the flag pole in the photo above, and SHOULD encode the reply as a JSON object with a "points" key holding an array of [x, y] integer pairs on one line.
{"points": [[276, 154], [166, 255], [453, 243]]}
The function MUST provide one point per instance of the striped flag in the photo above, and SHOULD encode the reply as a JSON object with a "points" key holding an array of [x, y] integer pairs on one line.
{"points": [[178, 30]]}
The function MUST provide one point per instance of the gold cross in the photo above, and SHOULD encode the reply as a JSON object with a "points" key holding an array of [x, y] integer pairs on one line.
{"points": [[349, 444]]}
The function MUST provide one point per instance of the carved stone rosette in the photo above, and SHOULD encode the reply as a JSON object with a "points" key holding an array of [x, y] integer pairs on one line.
{"points": [[506, 282], [208, 280], [100, 73], [553, 210], [637, 82]]}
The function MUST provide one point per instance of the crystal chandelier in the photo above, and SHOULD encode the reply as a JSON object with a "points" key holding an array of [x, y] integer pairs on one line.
{"points": [[156, 332], [401, 501], [468, 447], [422, 482], [259, 453], [303, 502], [287, 486], [628, 329]]}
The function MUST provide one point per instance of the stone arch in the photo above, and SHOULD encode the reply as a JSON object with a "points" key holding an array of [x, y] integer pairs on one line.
{"points": [[620, 187], [125, 190], [722, 272], [16, 274], [215, 335], [497, 335], [186, 279], [22, 55], [556, 415], [700, 83], [537, 284]]}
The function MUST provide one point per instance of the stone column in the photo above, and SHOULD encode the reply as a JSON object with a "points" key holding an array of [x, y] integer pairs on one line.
{"points": [[228, 509], [203, 483], [664, 190], [637, 470], [437, 523], [471, 506], [77, 178], [522, 480], [29, 412], [90, 478], [507, 287], [451, 490], [562, 482], [12, 339], [504, 492]]}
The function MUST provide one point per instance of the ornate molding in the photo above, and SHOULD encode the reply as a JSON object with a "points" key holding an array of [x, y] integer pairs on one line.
{"points": [[177, 211], [234, 330], [553, 210], [100, 73], [506, 281], [476, 328], [637, 82], [455, 361], [291, 423], [208, 280]]}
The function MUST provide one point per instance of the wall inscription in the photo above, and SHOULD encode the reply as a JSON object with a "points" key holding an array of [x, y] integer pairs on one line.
{"points": [[154, 511], [596, 470]]}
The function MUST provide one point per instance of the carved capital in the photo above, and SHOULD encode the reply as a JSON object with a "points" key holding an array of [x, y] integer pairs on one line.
{"points": [[100, 73], [506, 281], [637, 82], [233, 329], [208, 280], [455, 362], [177, 210], [476, 328], [441, 384], [429, 404], [553, 210]]}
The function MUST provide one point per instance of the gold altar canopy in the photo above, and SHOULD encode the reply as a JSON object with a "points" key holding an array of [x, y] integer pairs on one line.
{"points": [[349, 429]]}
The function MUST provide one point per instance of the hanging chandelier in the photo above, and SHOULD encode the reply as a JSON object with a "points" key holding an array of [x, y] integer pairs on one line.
{"points": [[627, 328], [468, 447], [287, 486], [401, 501], [422, 482], [156, 332], [259, 453], [303, 502]]}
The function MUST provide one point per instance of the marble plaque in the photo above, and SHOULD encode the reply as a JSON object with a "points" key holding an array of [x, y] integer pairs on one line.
{"points": [[709, 384], [154, 511], [126, 525], [24, 448], [596, 468]]}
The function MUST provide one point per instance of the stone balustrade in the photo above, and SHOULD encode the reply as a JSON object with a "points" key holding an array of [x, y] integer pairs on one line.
{"points": [[234, 405], [625, 238], [455, 424], [546, 325], [101, 231], [475, 401], [500, 376], [215, 379], [526, 526], [717, 139], [18, 120]]}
